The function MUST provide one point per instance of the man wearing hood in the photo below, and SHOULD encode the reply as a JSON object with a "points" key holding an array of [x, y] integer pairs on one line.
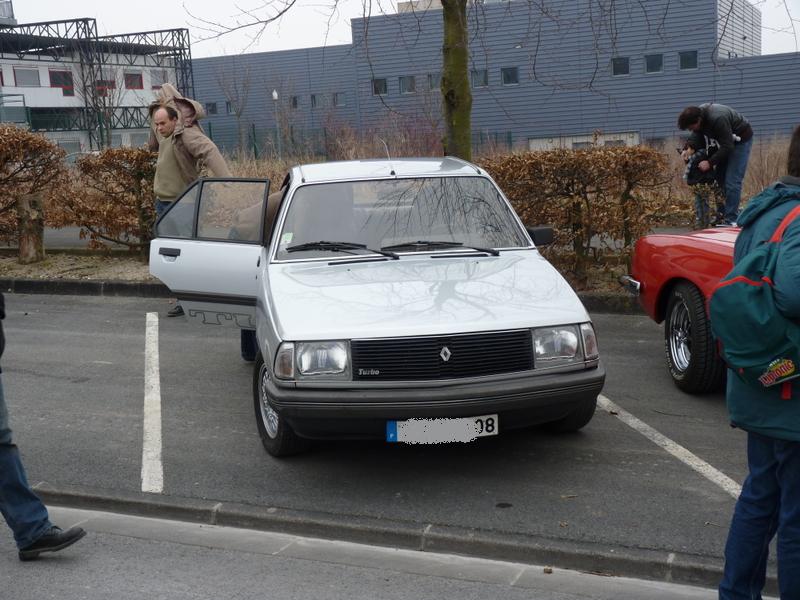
{"points": [[770, 499], [184, 151]]}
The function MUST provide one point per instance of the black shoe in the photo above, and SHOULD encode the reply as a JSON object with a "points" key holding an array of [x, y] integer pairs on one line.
{"points": [[177, 311], [52, 541]]}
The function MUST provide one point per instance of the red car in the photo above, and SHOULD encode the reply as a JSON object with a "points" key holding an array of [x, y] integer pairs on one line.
{"points": [[673, 276]]}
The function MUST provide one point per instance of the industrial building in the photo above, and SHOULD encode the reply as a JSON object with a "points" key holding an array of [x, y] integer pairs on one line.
{"points": [[575, 74], [83, 90]]}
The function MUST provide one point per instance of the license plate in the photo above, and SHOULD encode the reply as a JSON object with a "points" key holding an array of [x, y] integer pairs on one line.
{"points": [[441, 431]]}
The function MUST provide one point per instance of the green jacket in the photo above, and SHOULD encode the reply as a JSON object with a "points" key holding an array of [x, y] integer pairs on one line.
{"points": [[761, 410]]}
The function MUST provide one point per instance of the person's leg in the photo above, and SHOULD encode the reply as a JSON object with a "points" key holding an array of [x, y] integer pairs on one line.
{"points": [[700, 210], [755, 520], [161, 208], [734, 176], [788, 454], [21, 508]]}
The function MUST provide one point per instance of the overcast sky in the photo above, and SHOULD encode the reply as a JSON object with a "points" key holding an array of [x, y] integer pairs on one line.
{"points": [[307, 24]]}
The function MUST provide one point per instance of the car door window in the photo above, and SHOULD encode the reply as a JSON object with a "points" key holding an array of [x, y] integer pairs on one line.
{"points": [[179, 219], [231, 210]]}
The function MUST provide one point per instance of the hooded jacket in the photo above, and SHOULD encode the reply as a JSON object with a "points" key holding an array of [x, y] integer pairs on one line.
{"points": [[195, 153], [761, 410]]}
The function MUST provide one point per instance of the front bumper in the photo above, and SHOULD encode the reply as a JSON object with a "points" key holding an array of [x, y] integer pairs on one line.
{"points": [[521, 399]]}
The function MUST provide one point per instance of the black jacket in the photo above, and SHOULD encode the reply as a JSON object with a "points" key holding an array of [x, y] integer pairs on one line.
{"points": [[721, 123]]}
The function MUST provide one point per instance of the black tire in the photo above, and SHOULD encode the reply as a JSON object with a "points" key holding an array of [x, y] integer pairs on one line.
{"points": [[575, 420], [248, 344], [692, 358], [278, 438]]}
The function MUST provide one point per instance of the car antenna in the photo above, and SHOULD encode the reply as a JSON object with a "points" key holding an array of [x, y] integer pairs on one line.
{"points": [[388, 156]]}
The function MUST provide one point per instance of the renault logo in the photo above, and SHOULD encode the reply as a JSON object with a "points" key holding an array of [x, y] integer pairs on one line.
{"points": [[445, 354]]}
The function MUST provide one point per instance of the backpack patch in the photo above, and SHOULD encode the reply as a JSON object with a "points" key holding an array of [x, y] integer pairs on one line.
{"points": [[756, 341]]}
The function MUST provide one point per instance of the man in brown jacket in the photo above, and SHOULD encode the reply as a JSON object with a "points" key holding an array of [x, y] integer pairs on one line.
{"points": [[184, 151]]}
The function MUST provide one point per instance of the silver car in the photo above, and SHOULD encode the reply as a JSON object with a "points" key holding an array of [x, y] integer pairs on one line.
{"points": [[400, 299]]}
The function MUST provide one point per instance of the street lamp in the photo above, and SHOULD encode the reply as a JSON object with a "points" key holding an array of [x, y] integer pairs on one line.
{"points": [[277, 124]]}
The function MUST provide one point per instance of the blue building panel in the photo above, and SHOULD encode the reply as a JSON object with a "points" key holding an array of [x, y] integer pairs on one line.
{"points": [[625, 68]]}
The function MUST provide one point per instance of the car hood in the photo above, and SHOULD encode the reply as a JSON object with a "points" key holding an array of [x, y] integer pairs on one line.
{"points": [[418, 295]]}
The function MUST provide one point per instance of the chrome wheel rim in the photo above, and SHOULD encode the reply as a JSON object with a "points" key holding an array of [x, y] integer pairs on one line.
{"points": [[680, 330], [268, 415]]}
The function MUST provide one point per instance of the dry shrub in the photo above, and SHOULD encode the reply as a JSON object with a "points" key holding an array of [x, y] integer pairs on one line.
{"points": [[29, 164], [599, 200], [110, 198]]}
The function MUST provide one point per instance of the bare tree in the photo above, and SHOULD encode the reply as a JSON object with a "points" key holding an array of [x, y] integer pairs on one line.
{"points": [[235, 85]]}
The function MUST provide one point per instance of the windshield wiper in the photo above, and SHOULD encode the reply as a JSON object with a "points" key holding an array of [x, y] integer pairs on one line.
{"points": [[439, 244], [339, 247]]}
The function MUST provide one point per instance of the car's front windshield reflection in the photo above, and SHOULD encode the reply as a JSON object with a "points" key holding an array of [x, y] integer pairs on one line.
{"points": [[467, 211]]}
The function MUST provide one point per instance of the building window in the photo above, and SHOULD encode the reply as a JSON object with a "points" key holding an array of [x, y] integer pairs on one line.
{"points": [[480, 78], [581, 145], [313, 101], [158, 77], [509, 75], [339, 99], [211, 108], [687, 60], [434, 82], [295, 102], [614, 143], [133, 81], [103, 85], [62, 79], [229, 108], [26, 77], [379, 87], [408, 84], [620, 66], [653, 63]]}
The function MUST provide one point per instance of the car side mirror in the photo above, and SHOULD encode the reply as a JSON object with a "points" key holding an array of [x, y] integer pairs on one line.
{"points": [[541, 235]]}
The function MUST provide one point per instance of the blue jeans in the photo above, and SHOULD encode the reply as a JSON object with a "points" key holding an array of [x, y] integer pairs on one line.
{"points": [[769, 504], [731, 175], [21, 508], [161, 208]]}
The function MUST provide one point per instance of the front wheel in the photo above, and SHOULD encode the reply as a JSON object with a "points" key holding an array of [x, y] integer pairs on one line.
{"points": [[278, 437], [692, 358]]}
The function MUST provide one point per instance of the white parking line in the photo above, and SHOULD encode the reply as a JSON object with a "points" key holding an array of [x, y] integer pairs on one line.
{"points": [[152, 468], [675, 449]]}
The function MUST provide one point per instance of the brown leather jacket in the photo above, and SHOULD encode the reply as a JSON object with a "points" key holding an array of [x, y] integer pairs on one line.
{"points": [[197, 155]]}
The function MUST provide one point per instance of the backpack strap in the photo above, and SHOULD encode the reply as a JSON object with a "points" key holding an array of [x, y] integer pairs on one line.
{"points": [[777, 236]]}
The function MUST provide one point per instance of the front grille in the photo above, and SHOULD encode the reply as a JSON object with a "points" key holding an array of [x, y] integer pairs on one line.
{"points": [[420, 358]]}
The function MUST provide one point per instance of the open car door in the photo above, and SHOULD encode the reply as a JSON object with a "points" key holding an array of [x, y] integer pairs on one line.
{"points": [[208, 247]]}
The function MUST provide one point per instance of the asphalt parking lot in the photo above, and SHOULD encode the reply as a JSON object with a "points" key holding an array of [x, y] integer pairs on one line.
{"points": [[74, 377]]}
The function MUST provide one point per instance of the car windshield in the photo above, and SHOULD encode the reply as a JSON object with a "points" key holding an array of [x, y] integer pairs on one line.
{"points": [[430, 214]]}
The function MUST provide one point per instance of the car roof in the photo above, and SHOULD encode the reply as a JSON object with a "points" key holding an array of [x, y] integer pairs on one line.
{"points": [[384, 168]]}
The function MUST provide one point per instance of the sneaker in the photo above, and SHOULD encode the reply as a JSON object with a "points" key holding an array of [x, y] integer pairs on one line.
{"points": [[176, 311], [53, 540], [726, 224]]}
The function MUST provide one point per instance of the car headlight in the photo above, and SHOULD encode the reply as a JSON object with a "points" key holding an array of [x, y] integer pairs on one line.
{"points": [[312, 359], [590, 348], [556, 346], [322, 358]]}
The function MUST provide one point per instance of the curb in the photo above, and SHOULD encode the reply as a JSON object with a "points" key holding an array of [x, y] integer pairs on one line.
{"points": [[84, 287], [593, 301], [640, 563]]}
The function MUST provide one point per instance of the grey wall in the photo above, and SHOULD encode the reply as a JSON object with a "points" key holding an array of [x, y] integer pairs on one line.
{"points": [[563, 57]]}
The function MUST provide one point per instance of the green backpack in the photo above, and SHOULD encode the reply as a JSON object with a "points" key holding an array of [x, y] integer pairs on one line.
{"points": [[757, 342]]}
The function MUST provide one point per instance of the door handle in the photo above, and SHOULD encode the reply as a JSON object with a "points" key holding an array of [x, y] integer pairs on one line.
{"points": [[174, 252]]}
